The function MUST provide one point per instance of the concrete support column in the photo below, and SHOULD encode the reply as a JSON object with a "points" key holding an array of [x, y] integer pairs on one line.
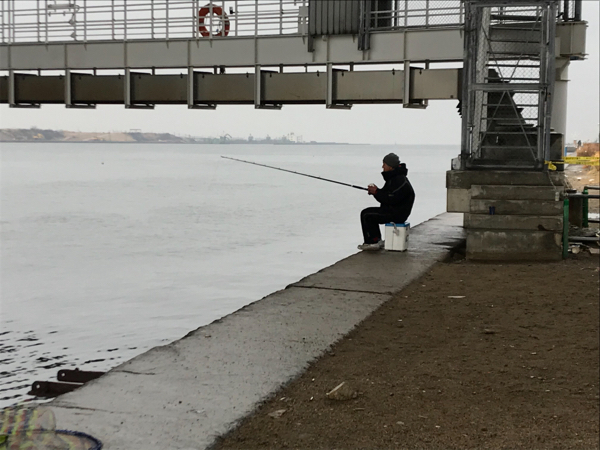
{"points": [[559, 105]]}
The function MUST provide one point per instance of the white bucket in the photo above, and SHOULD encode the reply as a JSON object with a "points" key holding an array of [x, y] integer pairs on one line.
{"points": [[396, 236]]}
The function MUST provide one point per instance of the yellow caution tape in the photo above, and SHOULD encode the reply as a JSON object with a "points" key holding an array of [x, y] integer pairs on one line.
{"points": [[583, 160]]}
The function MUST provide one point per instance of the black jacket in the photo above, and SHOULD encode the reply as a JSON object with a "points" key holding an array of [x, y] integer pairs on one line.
{"points": [[397, 195]]}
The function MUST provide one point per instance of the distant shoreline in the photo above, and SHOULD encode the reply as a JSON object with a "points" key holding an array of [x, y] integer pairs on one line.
{"points": [[137, 137], [177, 143]]}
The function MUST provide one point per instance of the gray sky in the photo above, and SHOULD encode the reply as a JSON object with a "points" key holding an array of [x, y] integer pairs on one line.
{"points": [[374, 124]]}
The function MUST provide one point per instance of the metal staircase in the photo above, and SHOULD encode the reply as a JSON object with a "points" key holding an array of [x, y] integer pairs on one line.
{"points": [[508, 84]]}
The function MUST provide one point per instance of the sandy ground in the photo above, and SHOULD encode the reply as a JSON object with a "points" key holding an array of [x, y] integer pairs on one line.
{"points": [[580, 176], [472, 355]]}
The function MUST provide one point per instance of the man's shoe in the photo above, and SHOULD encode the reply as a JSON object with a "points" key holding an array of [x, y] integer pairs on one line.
{"points": [[371, 247]]}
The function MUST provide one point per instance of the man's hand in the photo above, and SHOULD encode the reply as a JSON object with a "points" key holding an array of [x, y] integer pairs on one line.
{"points": [[372, 189]]}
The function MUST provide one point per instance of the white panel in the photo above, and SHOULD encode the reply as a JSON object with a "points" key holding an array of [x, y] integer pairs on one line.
{"points": [[344, 48], [283, 50], [106, 55], [387, 47], [38, 56], [438, 84], [319, 55], [435, 45], [3, 58], [222, 52], [157, 54]]}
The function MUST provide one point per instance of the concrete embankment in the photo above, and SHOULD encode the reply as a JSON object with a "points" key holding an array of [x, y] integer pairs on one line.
{"points": [[182, 396]]}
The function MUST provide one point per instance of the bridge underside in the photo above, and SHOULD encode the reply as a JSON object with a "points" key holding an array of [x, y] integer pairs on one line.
{"points": [[294, 69], [331, 87]]}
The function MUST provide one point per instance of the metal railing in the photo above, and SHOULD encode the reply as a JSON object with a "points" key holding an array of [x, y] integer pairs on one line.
{"points": [[444, 13], [87, 20], [421, 13]]}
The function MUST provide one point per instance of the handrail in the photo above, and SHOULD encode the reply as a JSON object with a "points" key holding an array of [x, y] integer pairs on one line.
{"points": [[85, 20], [88, 20]]}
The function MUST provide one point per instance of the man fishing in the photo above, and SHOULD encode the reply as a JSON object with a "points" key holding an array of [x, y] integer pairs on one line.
{"points": [[396, 197]]}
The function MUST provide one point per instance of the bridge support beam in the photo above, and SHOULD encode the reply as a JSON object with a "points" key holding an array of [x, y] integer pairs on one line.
{"points": [[333, 88]]}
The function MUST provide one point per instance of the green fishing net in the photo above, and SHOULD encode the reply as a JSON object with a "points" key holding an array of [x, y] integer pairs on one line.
{"points": [[34, 428]]}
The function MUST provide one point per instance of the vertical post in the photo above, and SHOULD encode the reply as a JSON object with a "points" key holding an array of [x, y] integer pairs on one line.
{"points": [[257, 87], [152, 19], [237, 23], [329, 100], [565, 239], [470, 43], [112, 21], [549, 15], [426, 13], [255, 17], [46, 40], [195, 18], [167, 19], [577, 11], [190, 90], [68, 99], [125, 19], [14, 22], [223, 14], [37, 12], [84, 20], [127, 87], [406, 93], [11, 89], [9, 23], [280, 16], [586, 205], [210, 16], [560, 97]]}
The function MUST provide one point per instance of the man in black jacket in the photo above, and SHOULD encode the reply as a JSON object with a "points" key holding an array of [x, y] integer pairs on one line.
{"points": [[396, 197]]}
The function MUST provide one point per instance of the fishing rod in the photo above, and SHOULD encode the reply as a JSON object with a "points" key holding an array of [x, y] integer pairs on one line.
{"points": [[297, 173]]}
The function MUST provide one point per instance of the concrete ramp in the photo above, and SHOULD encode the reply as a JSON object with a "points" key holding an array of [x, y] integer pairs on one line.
{"points": [[182, 396]]}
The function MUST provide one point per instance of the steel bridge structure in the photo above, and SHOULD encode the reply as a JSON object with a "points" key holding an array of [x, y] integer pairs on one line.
{"points": [[505, 61]]}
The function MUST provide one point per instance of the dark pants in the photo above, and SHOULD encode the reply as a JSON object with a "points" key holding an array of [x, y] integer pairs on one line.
{"points": [[370, 219]]}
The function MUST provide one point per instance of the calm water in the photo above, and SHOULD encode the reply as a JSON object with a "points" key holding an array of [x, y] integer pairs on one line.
{"points": [[108, 250]]}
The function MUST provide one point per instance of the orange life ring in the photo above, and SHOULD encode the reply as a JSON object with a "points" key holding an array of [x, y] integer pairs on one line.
{"points": [[216, 11]]}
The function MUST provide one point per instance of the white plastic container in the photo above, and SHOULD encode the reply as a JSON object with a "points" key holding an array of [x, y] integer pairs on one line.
{"points": [[396, 236]]}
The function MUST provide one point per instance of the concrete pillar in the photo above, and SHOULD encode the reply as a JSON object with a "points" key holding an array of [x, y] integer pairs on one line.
{"points": [[559, 105]]}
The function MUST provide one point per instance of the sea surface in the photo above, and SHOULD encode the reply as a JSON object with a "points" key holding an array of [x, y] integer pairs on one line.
{"points": [[108, 250]]}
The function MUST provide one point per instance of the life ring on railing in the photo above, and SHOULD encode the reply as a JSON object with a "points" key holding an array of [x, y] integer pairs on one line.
{"points": [[216, 11]]}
